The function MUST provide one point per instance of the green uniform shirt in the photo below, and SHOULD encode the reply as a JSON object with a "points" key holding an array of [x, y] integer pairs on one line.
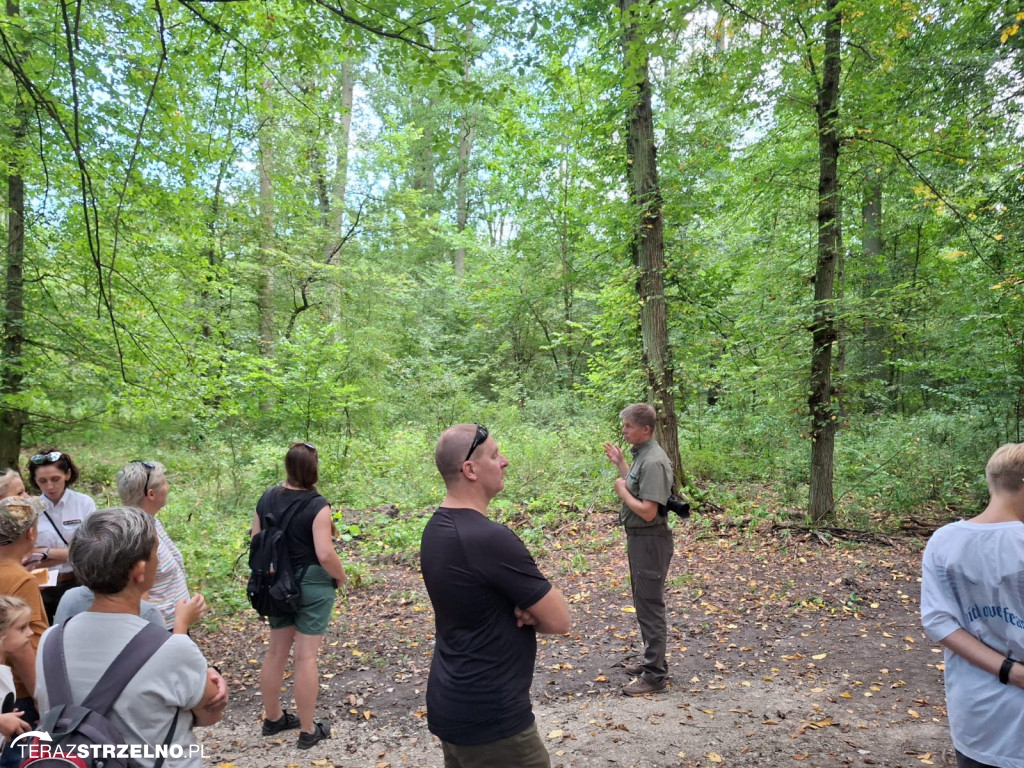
{"points": [[649, 479]]}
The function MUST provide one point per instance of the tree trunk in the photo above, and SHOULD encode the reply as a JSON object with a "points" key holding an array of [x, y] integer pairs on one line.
{"points": [[424, 178], [871, 217], [646, 244], [821, 507], [567, 282], [465, 148], [340, 186], [12, 418], [265, 281]]}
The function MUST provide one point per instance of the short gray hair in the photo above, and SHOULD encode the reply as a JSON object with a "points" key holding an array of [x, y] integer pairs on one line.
{"points": [[107, 546], [131, 481], [641, 414]]}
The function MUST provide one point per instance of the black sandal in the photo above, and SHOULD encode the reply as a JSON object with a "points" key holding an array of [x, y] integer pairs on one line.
{"points": [[285, 722], [307, 740]]}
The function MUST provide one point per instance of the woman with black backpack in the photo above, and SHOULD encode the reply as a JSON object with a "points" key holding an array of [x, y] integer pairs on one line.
{"points": [[305, 517]]}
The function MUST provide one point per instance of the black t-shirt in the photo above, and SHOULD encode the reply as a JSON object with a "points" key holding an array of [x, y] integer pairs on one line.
{"points": [[299, 533], [476, 572]]}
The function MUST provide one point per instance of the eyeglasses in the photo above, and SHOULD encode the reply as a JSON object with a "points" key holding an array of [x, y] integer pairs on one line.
{"points": [[46, 458], [150, 466], [481, 435], [310, 446]]}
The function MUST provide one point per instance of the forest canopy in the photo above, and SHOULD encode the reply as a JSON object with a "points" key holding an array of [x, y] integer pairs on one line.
{"points": [[796, 228]]}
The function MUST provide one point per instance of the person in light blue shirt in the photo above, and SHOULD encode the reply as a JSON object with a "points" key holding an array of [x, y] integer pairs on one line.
{"points": [[972, 603]]}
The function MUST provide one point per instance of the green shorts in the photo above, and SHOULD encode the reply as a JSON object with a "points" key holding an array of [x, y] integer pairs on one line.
{"points": [[314, 613]]}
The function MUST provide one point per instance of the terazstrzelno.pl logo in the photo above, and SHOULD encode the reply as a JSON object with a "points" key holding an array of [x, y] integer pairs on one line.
{"points": [[40, 748]]}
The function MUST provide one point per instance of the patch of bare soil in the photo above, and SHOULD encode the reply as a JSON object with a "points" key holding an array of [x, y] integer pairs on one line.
{"points": [[785, 650]]}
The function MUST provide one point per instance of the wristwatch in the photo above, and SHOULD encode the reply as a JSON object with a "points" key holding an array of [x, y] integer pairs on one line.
{"points": [[1004, 670], [44, 555]]}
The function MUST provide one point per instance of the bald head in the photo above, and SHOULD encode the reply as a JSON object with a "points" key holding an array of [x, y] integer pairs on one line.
{"points": [[451, 450]]}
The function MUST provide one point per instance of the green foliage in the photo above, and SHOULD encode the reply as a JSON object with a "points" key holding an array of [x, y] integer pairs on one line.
{"points": [[233, 269]]}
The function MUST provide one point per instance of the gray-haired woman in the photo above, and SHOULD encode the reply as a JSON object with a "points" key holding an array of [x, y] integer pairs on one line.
{"points": [[144, 484], [114, 553]]}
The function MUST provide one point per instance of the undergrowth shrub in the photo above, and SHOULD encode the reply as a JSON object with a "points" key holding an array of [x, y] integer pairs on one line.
{"points": [[754, 468]]}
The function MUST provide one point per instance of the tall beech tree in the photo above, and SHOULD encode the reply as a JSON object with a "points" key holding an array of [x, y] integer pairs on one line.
{"points": [[830, 243], [12, 415], [647, 235]]}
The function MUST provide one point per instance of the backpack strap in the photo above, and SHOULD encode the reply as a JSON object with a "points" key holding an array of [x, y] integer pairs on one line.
{"points": [[55, 670], [167, 741], [114, 680], [289, 513]]}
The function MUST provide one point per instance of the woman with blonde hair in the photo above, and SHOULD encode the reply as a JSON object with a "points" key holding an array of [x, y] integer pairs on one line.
{"points": [[15, 634], [11, 484]]}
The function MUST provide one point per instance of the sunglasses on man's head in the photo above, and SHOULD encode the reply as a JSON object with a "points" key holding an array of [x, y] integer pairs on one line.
{"points": [[46, 458], [150, 466], [478, 438]]}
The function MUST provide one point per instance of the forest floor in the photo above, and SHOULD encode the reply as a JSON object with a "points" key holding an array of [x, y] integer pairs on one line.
{"points": [[785, 649]]}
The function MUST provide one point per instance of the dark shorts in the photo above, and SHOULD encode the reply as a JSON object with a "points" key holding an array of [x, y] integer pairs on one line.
{"points": [[314, 614], [524, 750], [963, 761]]}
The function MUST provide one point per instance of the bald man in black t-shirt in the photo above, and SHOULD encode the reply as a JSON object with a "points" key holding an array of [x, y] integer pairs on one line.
{"points": [[489, 600]]}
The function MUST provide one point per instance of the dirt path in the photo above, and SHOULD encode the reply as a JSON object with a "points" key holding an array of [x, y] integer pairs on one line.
{"points": [[782, 652]]}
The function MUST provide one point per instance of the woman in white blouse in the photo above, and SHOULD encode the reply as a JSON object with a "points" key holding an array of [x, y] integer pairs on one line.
{"points": [[52, 473]]}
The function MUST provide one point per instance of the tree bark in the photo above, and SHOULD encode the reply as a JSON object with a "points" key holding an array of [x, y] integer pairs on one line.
{"points": [[821, 506], [646, 243], [567, 281], [265, 281], [465, 148], [12, 418], [424, 177], [340, 186], [871, 217]]}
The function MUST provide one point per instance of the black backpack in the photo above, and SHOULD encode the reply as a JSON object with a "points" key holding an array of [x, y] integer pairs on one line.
{"points": [[84, 729], [273, 588]]}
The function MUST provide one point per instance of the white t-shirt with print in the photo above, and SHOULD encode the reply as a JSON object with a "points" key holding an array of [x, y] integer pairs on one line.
{"points": [[973, 579]]}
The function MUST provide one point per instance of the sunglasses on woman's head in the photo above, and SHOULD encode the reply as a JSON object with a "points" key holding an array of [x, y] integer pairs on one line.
{"points": [[46, 458], [150, 466]]}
